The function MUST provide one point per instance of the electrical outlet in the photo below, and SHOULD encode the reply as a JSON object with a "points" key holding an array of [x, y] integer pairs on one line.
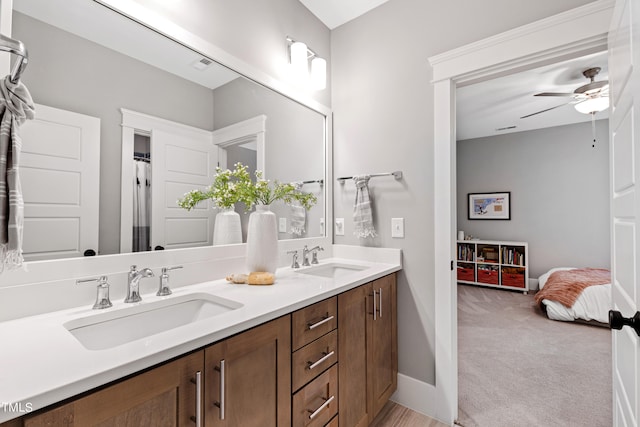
{"points": [[397, 228], [282, 227], [339, 226]]}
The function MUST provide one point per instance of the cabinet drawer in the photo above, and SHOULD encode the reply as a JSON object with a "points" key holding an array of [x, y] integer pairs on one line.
{"points": [[333, 422], [317, 403], [488, 274], [314, 358], [513, 276], [313, 322]]}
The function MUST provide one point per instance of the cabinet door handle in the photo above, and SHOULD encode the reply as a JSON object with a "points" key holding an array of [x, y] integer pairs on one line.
{"points": [[319, 361], [323, 321], [324, 405], [375, 310], [380, 305], [198, 382], [220, 403]]}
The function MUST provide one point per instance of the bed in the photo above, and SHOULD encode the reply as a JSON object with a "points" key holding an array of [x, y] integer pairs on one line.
{"points": [[579, 294]]}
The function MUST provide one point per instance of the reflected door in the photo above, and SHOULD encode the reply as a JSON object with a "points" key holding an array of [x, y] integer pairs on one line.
{"points": [[60, 174], [180, 162]]}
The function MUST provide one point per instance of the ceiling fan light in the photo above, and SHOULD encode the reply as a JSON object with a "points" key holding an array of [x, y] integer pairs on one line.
{"points": [[593, 105]]}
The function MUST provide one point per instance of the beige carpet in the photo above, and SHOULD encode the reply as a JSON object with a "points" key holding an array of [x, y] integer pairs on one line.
{"points": [[517, 368]]}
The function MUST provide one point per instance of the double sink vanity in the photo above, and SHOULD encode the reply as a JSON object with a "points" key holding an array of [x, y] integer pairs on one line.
{"points": [[316, 348]]}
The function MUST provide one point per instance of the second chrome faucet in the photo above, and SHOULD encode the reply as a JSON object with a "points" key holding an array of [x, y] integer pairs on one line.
{"points": [[133, 283]]}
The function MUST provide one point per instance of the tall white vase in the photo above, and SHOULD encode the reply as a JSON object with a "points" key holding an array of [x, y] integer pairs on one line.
{"points": [[227, 229], [262, 240]]}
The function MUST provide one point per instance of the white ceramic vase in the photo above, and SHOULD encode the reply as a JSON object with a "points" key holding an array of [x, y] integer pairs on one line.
{"points": [[227, 229], [262, 240]]}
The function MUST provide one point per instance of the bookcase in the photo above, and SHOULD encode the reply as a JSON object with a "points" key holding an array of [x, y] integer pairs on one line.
{"points": [[498, 264]]}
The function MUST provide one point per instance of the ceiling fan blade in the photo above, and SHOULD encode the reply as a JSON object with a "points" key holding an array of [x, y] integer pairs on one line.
{"points": [[553, 94], [542, 111]]}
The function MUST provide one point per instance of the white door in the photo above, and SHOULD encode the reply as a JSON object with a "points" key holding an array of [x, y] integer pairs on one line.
{"points": [[624, 124], [60, 174], [180, 162]]}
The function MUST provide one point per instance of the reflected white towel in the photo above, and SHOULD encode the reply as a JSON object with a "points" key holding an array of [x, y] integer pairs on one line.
{"points": [[362, 214], [298, 215], [16, 106]]}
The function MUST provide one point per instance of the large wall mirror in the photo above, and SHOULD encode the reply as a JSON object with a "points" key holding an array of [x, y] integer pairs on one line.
{"points": [[128, 120]]}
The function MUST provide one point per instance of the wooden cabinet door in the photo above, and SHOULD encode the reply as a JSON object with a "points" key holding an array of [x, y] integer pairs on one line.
{"points": [[248, 378], [354, 307], [164, 396], [383, 345]]}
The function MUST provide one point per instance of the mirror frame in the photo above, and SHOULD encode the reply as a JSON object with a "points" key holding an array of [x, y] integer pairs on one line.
{"points": [[62, 269]]}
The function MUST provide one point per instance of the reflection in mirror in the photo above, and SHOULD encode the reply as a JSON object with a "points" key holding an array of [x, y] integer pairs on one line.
{"points": [[102, 82]]}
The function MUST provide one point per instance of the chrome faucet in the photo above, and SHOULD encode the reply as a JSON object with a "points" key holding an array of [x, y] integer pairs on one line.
{"points": [[102, 297], [314, 251], [133, 283], [294, 260]]}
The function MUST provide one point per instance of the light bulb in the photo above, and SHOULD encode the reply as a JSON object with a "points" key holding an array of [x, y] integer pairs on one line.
{"points": [[318, 73], [593, 105], [299, 61]]}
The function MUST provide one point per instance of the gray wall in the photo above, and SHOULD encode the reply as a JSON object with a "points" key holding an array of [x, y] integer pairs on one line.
{"points": [[71, 73], [294, 140], [559, 188], [382, 100]]}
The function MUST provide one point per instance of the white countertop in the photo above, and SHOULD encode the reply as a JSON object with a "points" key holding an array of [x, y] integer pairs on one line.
{"points": [[41, 363]]}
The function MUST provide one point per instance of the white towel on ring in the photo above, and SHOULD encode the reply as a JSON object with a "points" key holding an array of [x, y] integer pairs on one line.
{"points": [[16, 106], [298, 215], [362, 213]]}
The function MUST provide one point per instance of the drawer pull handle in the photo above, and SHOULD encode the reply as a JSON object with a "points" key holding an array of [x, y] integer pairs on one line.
{"points": [[380, 307], [324, 405], [198, 382], [375, 309], [322, 322], [220, 403], [319, 361]]}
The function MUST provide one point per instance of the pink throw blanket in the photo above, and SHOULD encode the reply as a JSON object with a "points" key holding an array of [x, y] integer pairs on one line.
{"points": [[566, 286]]}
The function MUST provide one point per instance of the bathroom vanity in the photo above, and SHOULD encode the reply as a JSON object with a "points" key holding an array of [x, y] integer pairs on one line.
{"points": [[318, 346]]}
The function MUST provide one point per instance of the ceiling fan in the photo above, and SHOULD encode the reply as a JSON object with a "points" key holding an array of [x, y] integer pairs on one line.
{"points": [[588, 99]]}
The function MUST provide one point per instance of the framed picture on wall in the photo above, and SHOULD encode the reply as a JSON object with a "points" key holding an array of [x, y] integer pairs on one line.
{"points": [[489, 205]]}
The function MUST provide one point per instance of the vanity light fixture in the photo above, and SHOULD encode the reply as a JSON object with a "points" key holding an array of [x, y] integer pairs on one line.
{"points": [[300, 56]]}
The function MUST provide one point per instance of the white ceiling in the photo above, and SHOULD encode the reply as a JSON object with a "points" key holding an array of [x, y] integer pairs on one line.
{"points": [[334, 13], [95, 22], [485, 107]]}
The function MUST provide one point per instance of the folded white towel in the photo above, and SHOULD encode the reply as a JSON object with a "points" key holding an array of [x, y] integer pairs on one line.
{"points": [[362, 214], [298, 215]]}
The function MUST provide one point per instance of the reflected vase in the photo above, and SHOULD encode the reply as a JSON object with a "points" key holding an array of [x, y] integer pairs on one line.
{"points": [[227, 229], [262, 240]]}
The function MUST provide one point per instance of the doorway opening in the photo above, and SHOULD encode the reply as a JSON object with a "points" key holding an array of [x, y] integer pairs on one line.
{"points": [[570, 34]]}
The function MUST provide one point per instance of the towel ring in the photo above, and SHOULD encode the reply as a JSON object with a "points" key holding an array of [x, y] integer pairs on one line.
{"points": [[16, 47]]}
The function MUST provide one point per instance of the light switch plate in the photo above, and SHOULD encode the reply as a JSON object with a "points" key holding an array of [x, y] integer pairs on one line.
{"points": [[322, 226], [282, 225], [339, 226], [397, 228]]}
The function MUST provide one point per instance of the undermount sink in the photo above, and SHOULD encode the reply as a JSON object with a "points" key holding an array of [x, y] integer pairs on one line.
{"points": [[333, 270], [114, 328]]}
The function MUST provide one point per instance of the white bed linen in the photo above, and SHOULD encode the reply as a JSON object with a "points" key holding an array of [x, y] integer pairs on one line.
{"points": [[593, 304]]}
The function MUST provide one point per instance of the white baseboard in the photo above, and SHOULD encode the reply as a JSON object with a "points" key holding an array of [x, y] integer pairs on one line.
{"points": [[417, 396]]}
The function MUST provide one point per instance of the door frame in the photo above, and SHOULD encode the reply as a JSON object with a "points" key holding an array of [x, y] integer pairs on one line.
{"points": [[570, 34]]}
